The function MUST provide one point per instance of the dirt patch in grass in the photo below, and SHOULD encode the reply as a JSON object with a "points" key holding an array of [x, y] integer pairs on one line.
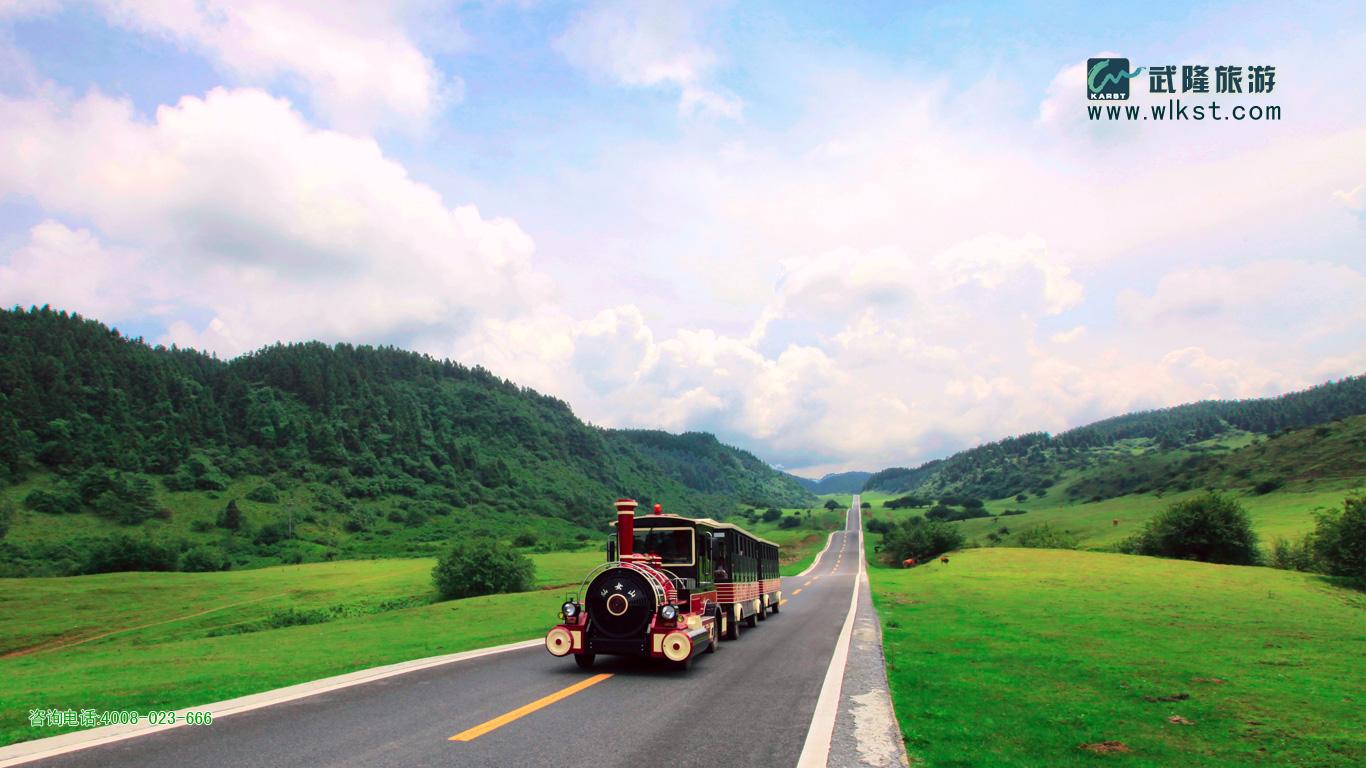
{"points": [[1106, 747]]}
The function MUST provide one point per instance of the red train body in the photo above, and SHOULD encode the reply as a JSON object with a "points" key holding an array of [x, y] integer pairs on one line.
{"points": [[672, 588]]}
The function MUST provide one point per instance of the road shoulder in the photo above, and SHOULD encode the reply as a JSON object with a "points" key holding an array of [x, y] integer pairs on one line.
{"points": [[866, 731]]}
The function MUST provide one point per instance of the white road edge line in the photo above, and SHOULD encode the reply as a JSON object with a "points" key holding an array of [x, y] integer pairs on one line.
{"points": [[38, 749], [816, 750], [819, 555]]}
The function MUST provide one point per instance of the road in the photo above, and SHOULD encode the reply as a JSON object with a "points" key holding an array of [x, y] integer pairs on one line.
{"points": [[749, 704]]}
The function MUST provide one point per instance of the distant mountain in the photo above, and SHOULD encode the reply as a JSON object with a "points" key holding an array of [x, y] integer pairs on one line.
{"points": [[835, 482], [1032, 463], [93, 424]]}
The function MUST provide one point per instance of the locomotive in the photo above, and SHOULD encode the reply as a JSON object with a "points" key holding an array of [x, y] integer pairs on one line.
{"points": [[672, 588]]}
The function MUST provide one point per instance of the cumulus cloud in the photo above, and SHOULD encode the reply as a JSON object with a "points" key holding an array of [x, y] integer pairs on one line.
{"points": [[271, 227], [649, 44], [355, 59]]}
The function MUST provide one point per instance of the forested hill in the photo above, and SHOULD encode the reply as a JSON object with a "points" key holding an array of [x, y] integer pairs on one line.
{"points": [[836, 482], [79, 401], [1033, 462]]}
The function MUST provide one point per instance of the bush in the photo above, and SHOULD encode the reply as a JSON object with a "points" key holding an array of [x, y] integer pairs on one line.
{"points": [[920, 538], [231, 517], [1267, 486], [272, 533], [481, 567], [949, 514], [524, 539], [831, 504], [1210, 528], [1340, 540], [906, 502], [264, 493], [1009, 512], [790, 522], [1293, 554], [1045, 536], [879, 526], [53, 502], [771, 514], [126, 553], [7, 515], [204, 559]]}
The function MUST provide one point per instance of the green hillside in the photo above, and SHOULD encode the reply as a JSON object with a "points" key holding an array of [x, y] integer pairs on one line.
{"points": [[1281, 479], [1317, 435], [322, 451], [836, 482], [1023, 657]]}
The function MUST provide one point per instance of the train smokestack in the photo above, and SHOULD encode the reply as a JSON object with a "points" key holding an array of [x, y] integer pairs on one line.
{"points": [[626, 527]]}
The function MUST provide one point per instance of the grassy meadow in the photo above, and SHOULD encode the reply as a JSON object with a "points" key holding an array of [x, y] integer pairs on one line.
{"points": [[168, 640], [1024, 657]]}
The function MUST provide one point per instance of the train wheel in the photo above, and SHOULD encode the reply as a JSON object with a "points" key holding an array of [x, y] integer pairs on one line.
{"points": [[713, 638], [774, 607], [585, 660], [732, 627], [752, 620], [763, 611], [682, 666]]}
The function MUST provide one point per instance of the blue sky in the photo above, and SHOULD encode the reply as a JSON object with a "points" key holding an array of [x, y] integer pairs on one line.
{"points": [[842, 235]]}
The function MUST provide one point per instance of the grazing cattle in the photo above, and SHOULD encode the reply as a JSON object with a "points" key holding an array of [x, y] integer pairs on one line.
{"points": [[1115, 522], [944, 560], [908, 562]]}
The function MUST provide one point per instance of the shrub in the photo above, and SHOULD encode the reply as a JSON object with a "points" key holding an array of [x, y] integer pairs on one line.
{"points": [[1045, 536], [53, 502], [7, 515], [831, 504], [203, 559], [879, 526], [202, 526], [790, 522], [127, 553], [905, 502], [1292, 554], [1267, 486], [231, 517], [1209, 527], [1009, 512], [357, 520], [481, 567], [1340, 540], [524, 539], [272, 533], [921, 539], [772, 514], [264, 493]]}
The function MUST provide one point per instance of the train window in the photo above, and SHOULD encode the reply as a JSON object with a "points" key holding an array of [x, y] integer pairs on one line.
{"points": [[673, 545]]}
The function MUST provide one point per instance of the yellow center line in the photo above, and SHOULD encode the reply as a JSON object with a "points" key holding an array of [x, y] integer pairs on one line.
{"points": [[520, 712], [795, 592]]}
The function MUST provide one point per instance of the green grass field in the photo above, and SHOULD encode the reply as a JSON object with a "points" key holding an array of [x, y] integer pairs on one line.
{"points": [[1015, 657], [1288, 513], [168, 640]]}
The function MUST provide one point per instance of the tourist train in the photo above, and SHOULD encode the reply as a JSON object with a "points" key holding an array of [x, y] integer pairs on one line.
{"points": [[672, 587]]}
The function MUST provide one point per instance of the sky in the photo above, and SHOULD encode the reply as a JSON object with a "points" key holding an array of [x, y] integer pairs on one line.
{"points": [[843, 236]]}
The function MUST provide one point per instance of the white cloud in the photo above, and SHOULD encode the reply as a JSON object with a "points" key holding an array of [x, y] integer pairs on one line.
{"points": [[355, 59], [274, 228], [649, 44]]}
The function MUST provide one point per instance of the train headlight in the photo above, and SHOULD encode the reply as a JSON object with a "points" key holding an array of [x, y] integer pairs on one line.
{"points": [[571, 609], [668, 612]]}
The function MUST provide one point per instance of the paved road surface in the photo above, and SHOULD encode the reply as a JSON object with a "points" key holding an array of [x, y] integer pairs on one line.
{"points": [[749, 704]]}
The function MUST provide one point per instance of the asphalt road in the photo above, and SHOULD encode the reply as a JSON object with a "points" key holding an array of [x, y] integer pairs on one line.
{"points": [[749, 704]]}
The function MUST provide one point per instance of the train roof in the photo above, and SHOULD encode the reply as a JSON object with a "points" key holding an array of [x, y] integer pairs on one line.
{"points": [[704, 520]]}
